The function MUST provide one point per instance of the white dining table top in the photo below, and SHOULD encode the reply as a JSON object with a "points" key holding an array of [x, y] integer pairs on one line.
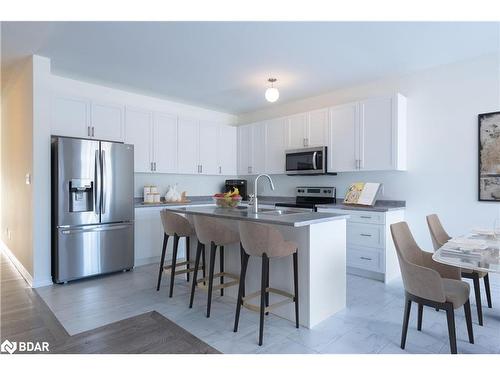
{"points": [[486, 258]]}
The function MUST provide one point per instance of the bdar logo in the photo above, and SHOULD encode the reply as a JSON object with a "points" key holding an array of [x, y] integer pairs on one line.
{"points": [[9, 347]]}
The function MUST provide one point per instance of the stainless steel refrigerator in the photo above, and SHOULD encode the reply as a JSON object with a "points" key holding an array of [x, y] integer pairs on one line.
{"points": [[92, 208]]}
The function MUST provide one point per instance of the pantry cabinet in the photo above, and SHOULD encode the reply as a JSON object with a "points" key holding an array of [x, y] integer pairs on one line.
{"points": [[83, 118]]}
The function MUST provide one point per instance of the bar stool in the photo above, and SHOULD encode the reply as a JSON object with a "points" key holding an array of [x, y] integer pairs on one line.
{"points": [[266, 242], [177, 226], [214, 233]]}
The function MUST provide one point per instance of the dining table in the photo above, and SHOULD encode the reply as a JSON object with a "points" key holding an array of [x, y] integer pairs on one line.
{"points": [[478, 250]]}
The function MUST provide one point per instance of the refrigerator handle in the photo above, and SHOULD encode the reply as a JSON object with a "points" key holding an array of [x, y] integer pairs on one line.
{"points": [[103, 183], [97, 177]]}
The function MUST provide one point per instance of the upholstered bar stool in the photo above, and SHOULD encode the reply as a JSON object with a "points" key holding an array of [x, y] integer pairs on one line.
{"points": [[429, 283], [214, 233], [439, 238], [177, 226], [265, 242]]}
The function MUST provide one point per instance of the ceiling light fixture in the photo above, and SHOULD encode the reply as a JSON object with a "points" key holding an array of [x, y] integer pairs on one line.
{"points": [[272, 93]]}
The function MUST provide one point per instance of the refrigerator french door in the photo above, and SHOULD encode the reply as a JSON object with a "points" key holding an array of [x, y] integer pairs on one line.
{"points": [[92, 208]]}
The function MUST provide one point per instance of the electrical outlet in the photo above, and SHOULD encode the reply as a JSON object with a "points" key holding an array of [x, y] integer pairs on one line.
{"points": [[8, 233], [27, 178]]}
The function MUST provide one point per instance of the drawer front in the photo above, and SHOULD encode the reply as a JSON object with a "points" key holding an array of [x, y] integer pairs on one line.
{"points": [[367, 217], [367, 259], [370, 235]]}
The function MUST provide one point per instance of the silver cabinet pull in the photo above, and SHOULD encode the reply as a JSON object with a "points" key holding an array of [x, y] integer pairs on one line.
{"points": [[88, 131], [92, 131], [365, 258], [154, 165], [151, 166], [365, 217], [220, 169], [365, 235], [201, 168]]}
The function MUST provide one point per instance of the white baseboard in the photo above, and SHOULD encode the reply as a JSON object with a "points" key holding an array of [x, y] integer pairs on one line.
{"points": [[23, 271], [143, 261]]}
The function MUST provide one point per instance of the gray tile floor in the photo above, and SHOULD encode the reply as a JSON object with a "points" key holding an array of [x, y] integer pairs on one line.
{"points": [[371, 322]]}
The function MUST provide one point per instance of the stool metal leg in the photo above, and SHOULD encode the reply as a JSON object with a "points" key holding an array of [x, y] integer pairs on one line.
{"points": [[239, 301], [188, 250], [174, 262], [213, 249], [487, 288], [243, 258], [162, 261], [265, 270], [204, 263], [267, 293], [477, 292], [296, 287], [221, 267], [195, 274]]}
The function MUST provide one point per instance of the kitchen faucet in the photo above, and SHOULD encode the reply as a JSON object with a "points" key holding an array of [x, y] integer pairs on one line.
{"points": [[255, 207]]}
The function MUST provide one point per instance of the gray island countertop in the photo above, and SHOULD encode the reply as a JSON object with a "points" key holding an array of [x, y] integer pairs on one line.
{"points": [[289, 218]]}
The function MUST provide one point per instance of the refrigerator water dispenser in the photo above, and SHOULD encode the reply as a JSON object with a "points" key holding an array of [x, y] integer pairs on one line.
{"points": [[81, 192]]}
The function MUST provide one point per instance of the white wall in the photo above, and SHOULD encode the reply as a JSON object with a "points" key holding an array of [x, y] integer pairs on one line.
{"points": [[443, 104], [17, 160], [192, 184]]}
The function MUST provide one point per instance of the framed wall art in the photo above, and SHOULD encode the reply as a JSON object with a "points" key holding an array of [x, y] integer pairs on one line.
{"points": [[489, 156]]}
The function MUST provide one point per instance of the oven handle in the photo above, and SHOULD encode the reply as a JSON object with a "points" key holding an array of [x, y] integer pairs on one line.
{"points": [[315, 153]]}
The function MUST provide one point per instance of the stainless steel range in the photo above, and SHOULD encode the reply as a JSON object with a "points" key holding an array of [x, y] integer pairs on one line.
{"points": [[92, 208], [308, 197]]}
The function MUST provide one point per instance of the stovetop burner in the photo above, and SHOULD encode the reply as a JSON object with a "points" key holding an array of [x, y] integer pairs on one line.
{"points": [[309, 197]]}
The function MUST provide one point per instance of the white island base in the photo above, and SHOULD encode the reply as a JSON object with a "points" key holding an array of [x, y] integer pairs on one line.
{"points": [[322, 271]]}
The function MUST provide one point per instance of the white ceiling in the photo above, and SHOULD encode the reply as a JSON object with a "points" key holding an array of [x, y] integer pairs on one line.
{"points": [[225, 65]]}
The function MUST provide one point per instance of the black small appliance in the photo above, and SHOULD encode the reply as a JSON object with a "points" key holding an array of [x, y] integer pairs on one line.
{"points": [[241, 185]]}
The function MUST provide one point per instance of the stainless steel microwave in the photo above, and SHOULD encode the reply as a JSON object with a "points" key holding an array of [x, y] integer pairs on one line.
{"points": [[306, 161]]}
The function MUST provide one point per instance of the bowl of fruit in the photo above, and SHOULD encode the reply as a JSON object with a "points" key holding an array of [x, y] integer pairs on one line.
{"points": [[231, 199]]}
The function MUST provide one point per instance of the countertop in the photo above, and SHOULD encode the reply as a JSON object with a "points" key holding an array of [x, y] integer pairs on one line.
{"points": [[293, 218], [380, 205]]}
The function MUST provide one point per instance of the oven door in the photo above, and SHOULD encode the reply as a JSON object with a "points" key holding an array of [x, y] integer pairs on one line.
{"points": [[306, 161]]}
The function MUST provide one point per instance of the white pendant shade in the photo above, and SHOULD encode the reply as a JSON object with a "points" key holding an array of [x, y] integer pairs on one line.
{"points": [[272, 94]]}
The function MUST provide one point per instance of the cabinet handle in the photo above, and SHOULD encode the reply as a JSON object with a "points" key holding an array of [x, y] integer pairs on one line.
{"points": [[151, 166], [201, 168], [88, 131], [220, 169], [365, 235], [92, 131], [365, 258], [154, 163], [365, 217]]}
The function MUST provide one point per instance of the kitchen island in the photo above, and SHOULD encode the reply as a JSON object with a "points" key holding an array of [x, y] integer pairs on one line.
{"points": [[321, 240]]}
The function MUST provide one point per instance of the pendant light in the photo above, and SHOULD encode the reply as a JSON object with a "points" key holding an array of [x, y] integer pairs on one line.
{"points": [[272, 93]]}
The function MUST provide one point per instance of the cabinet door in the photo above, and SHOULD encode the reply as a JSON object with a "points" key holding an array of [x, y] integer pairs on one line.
{"points": [[317, 128], [376, 138], [244, 147], [297, 131], [343, 141], [208, 148], [188, 149], [258, 150], [70, 117], [165, 143], [107, 122], [226, 150], [275, 146], [138, 131]]}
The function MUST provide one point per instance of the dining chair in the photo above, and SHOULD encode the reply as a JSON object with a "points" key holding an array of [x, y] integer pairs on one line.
{"points": [[439, 238], [429, 283]]}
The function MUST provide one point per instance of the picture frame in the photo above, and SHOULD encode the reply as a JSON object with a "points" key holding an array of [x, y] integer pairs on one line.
{"points": [[489, 157]]}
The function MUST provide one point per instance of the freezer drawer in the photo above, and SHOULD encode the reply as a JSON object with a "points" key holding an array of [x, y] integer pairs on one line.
{"points": [[91, 250]]}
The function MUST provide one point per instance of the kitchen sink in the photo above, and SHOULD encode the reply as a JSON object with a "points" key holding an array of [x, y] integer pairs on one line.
{"points": [[279, 212]]}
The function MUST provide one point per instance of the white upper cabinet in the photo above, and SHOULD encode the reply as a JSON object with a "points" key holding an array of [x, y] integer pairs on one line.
{"points": [[70, 117], [297, 131], [80, 117], [276, 146], [165, 142], [244, 149], [139, 132], [343, 144], [188, 146], [227, 150], [107, 121], [383, 133], [317, 128], [208, 145]]}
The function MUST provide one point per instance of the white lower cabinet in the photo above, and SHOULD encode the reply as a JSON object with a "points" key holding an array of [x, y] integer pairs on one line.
{"points": [[370, 250]]}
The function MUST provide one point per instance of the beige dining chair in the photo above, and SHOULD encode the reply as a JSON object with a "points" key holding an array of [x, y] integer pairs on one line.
{"points": [[439, 238], [429, 283]]}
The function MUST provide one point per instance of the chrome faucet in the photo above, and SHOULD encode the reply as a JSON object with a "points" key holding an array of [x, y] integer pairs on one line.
{"points": [[255, 207]]}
